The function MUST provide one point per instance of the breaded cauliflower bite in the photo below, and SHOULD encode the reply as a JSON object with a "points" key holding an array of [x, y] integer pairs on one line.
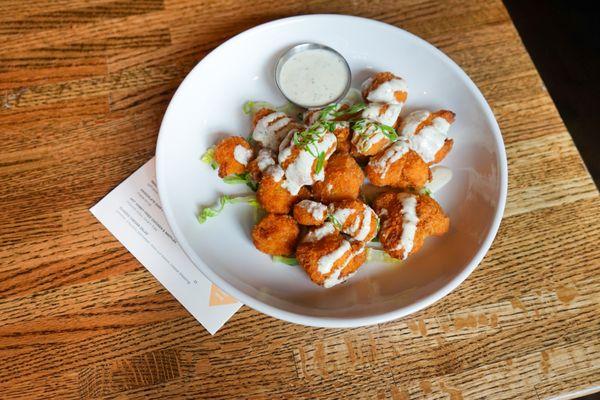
{"points": [[259, 165], [340, 124], [308, 212], [407, 220], [355, 219], [303, 157], [427, 133], [385, 87], [232, 154], [276, 234], [343, 179], [333, 112], [398, 166], [273, 197], [269, 127], [383, 113], [342, 134], [369, 138], [331, 259]]}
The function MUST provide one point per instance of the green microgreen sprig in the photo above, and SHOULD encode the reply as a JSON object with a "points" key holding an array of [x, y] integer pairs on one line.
{"points": [[363, 126], [307, 140]]}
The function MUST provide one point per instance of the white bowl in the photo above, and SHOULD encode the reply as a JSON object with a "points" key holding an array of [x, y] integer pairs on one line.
{"points": [[207, 106]]}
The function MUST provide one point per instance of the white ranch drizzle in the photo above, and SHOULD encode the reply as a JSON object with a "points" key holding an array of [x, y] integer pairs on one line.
{"points": [[355, 226], [366, 84], [286, 146], [265, 159], [300, 171], [385, 91], [389, 117], [319, 233], [409, 224], [242, 154], [340, 214], [266, 130], [314, 208], [393, 153], [334, 278], [412, 121], [341, 125], [276, 172], [365, 227], [430, 139], [326, 262], [364, 139], [312, 115]]}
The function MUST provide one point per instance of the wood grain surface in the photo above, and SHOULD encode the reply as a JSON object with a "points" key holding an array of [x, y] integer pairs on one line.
{"points": [[83, 87]]}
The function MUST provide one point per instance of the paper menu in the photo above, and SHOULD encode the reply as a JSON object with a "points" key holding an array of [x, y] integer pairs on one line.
{"points": [[133, 214]]}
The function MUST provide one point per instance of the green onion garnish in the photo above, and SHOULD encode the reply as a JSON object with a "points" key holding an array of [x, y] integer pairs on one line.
{"points": [[351, 110], [320, 162], [336, 223], [389, 132]]}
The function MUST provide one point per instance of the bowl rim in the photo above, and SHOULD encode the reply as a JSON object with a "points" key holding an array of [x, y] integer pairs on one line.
{"points": [[343, 322]]}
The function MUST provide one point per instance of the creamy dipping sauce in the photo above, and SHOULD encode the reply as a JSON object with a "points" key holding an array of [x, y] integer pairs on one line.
{"points": [[314, 77]]}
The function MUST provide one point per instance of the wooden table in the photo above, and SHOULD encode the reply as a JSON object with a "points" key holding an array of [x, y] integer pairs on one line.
{"points": [[84, 85]]}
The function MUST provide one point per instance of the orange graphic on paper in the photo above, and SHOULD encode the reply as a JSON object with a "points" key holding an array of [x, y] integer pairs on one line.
{"points": [[219, 297]]}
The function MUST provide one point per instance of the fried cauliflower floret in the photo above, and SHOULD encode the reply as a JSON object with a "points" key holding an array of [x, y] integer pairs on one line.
{"points": [[343, 179], [342, 133], [260, 114], [269, 127], [385, 87], [398, 166], [273, 197], [407, 220], [276, 234], [355, 219], [333, 112], [308, 212], [383, 113], [331, 259], [427, 133], [369, 137], [303, 155], [259, 165], [443, 152], [232, 154]]}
